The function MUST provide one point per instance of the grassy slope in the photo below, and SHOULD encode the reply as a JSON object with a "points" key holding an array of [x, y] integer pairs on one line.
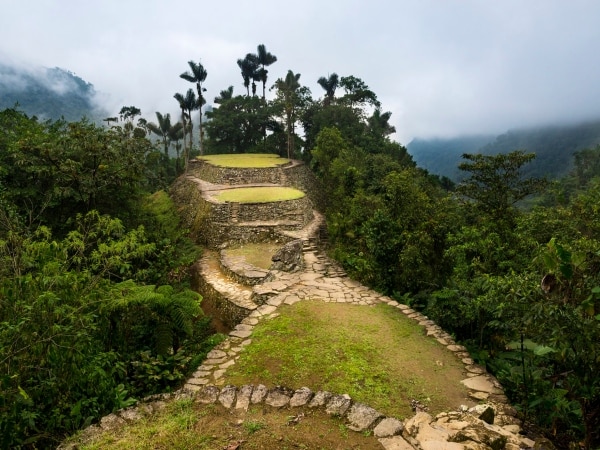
{"points": [[374, 354]]}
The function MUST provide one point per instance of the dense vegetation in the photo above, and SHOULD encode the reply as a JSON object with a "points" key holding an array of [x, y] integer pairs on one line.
{"points": [[93, 310], [521, 288]]}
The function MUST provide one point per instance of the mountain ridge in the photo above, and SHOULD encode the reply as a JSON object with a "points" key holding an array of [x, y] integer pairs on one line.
{"points": [[48, 93], [554, 146]]}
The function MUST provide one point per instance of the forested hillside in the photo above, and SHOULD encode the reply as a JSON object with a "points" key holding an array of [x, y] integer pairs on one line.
{"points": [[47, 93], [554, 147]]}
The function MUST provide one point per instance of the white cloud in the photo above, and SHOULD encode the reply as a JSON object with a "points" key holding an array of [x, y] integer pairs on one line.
{"points": [[442, 67]]}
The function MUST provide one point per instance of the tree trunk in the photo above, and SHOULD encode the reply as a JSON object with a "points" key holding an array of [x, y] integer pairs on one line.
{"points": [[200, 140]]}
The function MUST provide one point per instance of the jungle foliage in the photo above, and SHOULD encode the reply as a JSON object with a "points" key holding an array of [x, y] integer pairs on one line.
{"points": [[520, 286], [94, 309]]}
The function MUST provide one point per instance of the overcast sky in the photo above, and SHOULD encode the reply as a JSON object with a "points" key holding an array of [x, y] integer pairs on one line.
{"points": [[442, 67]]}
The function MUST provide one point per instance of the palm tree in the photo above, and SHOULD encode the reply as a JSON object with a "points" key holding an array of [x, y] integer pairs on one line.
{"points": [[224, 95], [330, 85], [264, 58], [288, 91], [379, 123], [187, 103], [249, 68], [162, 129], [181, 100], [191, 104], [175, 134], [197, 75]]}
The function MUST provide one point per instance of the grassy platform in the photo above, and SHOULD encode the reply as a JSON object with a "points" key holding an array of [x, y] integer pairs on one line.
{"points": [[375, 354], [246, 160], [259, 194]]}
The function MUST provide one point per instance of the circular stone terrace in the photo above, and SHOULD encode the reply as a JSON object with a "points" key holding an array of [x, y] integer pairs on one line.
{"points": [[249, 197]]}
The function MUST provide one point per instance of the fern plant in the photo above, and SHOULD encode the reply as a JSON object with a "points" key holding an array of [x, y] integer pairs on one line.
{"points": [[160, 315]]}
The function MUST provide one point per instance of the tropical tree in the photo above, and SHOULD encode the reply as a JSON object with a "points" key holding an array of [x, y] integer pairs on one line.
{"points": [[379, 123], [496, 182], [290, 95], [264, 59], [236, 124], [329, 84], [162, 130], [197, 74], [128, 113], [187, 103], [176, 133], [357, 92], [249, 70], [181, 101], [224, 95]]}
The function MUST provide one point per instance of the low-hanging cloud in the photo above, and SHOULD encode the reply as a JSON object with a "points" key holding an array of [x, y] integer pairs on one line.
{"points": [[443, 68]]}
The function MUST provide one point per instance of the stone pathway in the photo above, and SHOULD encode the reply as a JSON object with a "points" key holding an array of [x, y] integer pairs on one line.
{"points": [[490, 425], [322, 279]]}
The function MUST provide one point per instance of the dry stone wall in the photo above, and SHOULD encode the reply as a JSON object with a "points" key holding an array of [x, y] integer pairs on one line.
{"points": [[235, 176], [300, 177], [298, 210], [211, 223], [232, 307]]}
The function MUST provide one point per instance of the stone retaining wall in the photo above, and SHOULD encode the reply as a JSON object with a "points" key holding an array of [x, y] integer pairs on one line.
{"points": [[235, 175], [295, 174], [212, 223], [229, 313], [298, 210], [240, 271], [299, 176]]}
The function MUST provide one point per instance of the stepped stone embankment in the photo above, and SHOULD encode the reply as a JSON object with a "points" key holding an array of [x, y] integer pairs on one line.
{"points": [[213, 222]]}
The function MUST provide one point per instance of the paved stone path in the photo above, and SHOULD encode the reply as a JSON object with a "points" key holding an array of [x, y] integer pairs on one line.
{"points": [[322, 279], [490, 425]]}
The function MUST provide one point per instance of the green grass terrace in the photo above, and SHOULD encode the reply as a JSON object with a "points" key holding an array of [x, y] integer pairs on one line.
{"points": [[246, 160], [259, 194]]}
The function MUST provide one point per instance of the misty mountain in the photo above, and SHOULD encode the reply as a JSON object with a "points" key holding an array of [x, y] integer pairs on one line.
{"points": [[48, 93], [442, 156], [553, 145]]}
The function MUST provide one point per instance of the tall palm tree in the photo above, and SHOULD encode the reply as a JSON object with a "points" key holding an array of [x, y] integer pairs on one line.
{"points": [[197, 74], [288, 92], [264, 58], [181, 100], [249, 69], [187, 103], [162, 129], [379, 123], [330, 85], [175, 134], [191, 104]]}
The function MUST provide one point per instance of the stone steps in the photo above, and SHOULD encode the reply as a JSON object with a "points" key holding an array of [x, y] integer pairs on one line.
{"points": [[220, 293]]}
